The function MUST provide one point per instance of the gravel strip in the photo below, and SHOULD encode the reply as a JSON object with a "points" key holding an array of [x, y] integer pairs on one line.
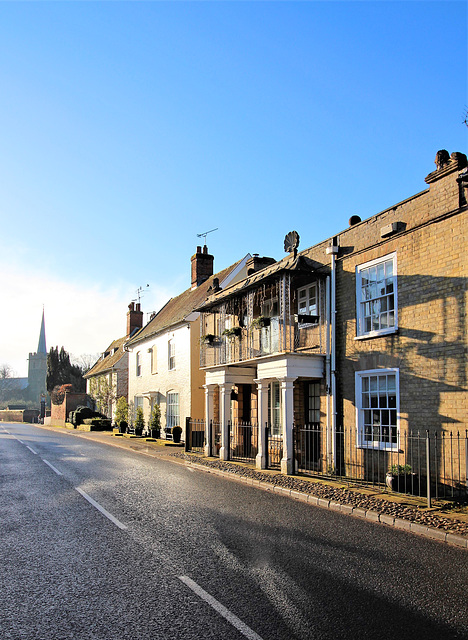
{"points": [[340, 495]]}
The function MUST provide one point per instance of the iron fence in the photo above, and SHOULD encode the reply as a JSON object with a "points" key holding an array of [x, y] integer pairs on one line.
{"points": [[426, 464], [194, 435], [243, 441]]}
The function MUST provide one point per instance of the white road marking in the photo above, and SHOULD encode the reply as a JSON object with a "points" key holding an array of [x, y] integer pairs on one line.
{"points": [[31, 450], [101, 509], [20, 441], [59, 473], [221, 609]]}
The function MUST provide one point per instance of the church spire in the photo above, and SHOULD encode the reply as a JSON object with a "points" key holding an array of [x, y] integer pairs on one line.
{"points": [[41, 347]]}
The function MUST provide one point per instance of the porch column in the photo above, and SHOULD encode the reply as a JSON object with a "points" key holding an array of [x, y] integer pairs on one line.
{"points": [[262, 409], [209, 414], [287, 420], [225, 414]]}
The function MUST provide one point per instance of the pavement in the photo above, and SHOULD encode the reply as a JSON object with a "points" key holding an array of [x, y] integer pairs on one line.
{"points": [[445, 521]]}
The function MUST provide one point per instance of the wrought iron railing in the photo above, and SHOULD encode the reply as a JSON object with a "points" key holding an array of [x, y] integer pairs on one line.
{"points": [[429, 464], [257, 340]]}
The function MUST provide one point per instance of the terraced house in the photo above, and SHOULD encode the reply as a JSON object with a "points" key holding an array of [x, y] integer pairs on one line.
{"points": [[164, 355], [107, 380], [339, 358]]}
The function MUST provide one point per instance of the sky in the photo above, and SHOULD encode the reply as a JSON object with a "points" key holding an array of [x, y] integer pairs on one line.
{"points": [[130, 127]]}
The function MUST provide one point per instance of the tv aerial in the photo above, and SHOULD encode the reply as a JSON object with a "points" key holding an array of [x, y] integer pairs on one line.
{"points": [[140, 292], [203, 235]]}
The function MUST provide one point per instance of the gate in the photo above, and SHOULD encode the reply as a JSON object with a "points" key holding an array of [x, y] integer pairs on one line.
{"points": [[307, 447], [274, 448], [243, 440]]}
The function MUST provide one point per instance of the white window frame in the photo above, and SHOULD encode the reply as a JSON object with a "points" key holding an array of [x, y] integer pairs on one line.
{"points": [[171, 355], [172, 417], [138, 364], [363, 306], [311, 311], [372, 405], [154, 359]]}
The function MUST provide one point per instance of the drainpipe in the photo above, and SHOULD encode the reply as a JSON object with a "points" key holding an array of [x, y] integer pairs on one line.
{"points": [[328, 373], [332, 252]]}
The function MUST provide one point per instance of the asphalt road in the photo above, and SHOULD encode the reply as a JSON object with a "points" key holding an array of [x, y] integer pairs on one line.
{"points": [[102, 543]]}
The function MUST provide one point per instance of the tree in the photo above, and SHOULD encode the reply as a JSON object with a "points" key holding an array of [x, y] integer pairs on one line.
{"points": [[6, 371], [103, 391], [60, 371], [85, 361]]}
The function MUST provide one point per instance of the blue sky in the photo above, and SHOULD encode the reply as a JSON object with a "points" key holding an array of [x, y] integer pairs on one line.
{"points": [[130, 127]]}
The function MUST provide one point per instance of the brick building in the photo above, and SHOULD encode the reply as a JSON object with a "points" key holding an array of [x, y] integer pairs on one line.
{"points": [[362, 336]]}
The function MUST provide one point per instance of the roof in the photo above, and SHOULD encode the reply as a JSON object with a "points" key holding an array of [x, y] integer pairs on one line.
{"points": [[177, 309], [13, 384], [112, 355], [299, 265]]}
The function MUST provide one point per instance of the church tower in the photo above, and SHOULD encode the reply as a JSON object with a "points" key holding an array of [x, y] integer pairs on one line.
{"points": [[37, 369]]}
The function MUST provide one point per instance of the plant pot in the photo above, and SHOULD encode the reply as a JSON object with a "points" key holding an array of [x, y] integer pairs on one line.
{"points": [[176, 434], [401, 483], [155, 433]]}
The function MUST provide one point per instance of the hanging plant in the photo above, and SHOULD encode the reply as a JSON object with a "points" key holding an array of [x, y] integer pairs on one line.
{"points": [[260, 323], [235, 331]]}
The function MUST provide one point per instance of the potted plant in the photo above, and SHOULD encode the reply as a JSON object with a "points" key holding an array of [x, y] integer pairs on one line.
{"points": [[400, 478], [230, 333], [139, 422], [155, 421], [260, 322], [176, 434], [121, 414], [208, 338]]}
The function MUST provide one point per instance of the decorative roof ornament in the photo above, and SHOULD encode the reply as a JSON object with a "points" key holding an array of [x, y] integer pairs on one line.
{"points": [[442, 158], [291, 242]]}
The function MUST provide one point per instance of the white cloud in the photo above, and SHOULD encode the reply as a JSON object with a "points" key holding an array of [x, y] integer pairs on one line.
{"points": [[82, 316]]}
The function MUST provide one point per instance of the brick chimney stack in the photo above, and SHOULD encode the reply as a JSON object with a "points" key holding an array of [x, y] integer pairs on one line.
{"points": [[134, 318], [202, 266]]}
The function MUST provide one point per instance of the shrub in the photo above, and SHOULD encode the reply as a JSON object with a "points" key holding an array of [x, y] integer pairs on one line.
{"points": [[155, 420], [400, 469]]}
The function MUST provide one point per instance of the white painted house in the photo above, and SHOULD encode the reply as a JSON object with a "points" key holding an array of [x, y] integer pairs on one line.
{"points": [[164, 356]]}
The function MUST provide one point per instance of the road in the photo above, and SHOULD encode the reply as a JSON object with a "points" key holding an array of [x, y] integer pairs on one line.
{"points": [[104, 543]]}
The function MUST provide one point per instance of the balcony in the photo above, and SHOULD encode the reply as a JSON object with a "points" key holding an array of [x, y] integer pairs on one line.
{"points": [[260, 337]]}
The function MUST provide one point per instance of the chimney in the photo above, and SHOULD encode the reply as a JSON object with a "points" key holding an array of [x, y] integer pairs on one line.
{"points": [[202, 266], [257, 263], [134, 318]]}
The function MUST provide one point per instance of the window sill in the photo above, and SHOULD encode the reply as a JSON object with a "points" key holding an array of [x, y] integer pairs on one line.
{"points": [[377, 334], [379, 447]]}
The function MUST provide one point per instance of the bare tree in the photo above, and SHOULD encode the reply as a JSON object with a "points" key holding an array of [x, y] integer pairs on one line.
{"points": [[85, 361], [6, 371]]}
